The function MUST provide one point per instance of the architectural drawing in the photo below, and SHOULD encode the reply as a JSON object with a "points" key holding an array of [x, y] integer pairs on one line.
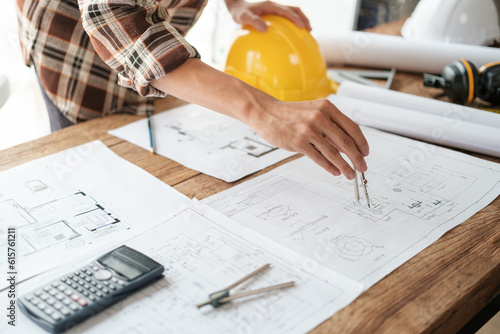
{"points": [[352, 248], [212, 136], [417, 192], [65, 205], [203, 252], [206, 141]]}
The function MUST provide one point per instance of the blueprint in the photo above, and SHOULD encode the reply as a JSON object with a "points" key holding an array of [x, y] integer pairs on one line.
{"points": [[417, 193], [202, 252], [206, 141], [83, 198]]}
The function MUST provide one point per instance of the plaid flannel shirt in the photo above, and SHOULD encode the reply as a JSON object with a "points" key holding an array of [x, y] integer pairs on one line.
{"points": [[97, 57]]}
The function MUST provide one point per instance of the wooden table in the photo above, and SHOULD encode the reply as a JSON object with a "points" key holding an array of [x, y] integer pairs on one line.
{"points": [[439, 290]]}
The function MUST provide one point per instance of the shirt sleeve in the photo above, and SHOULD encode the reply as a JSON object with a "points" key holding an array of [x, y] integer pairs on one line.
{"points": [[135, 38]]}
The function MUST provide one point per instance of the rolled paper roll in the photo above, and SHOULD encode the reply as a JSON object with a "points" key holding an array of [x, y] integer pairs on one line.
{"points": [[419, 103], [384, 51], [423, 126]]}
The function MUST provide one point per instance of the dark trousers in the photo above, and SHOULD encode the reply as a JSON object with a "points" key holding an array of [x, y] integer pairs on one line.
{"points": [[56, 118]]}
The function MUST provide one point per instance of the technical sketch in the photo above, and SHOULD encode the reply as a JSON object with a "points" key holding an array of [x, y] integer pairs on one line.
{"points": [[352, 248], [410, 201], [202, 257], [212, 136], [303, 227], [280, 210], [38, 187], [206, 141], [65, 205], [59, 220]]}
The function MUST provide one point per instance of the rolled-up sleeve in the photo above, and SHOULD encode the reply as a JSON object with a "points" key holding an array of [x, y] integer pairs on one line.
{"points": [[135, 38]]}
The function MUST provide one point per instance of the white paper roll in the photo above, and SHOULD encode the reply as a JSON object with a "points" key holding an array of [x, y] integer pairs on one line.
{"points": [[435, 129], [384, 51], [418, 103]]}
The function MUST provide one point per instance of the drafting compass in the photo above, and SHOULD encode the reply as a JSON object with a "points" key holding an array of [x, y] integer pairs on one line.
{"points": [[356, 187], [218, 298]]}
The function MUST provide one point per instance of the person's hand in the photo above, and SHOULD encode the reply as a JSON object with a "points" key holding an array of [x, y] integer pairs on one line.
{"points": [[250, 13], [318, 130], [315, 128]]}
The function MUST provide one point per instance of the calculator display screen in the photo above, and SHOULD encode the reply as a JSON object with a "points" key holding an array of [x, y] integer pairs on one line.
{"points": [[121, 267]]}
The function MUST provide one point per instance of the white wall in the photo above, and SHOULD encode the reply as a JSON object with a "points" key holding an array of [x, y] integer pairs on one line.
{"points": [[23, 117]]}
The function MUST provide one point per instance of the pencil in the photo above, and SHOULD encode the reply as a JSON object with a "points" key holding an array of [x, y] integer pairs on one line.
{"points": [[151, 142]]}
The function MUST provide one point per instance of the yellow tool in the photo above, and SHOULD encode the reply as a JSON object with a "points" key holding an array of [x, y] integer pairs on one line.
{"points": [[285, 61]]}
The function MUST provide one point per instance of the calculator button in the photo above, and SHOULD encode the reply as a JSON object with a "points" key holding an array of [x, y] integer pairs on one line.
{"points": [[112, 287], [74, 296], [51, 301], [59, 296], [105, 290], [68, 292], [46, 288], [42, 306], [82, 302], [38, 293], [91, 297], [121, 282], [92, 290], [57, 306], [103, 275], [44, 296], [29, 297], [66, 301], [65, 311], [86, 294], [86, 286], [52, 292], [99, 286], [56, 316], [48, 311], [35, 302], [74, 307], [87, 279], [99, 294], [61, 287]]}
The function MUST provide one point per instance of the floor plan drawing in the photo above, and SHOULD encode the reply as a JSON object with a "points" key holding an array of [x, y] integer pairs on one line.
{"points": [[66, 220], [67, 204], [417, 192], [205, 141]]}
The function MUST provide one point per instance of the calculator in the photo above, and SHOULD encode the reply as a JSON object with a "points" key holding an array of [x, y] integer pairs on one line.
{"points": [[77, 296]]}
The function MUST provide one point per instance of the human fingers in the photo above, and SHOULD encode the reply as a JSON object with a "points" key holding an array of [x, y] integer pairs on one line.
{"points": [[304, 19], [349, 127], [248, 17], [294, 14], [312, 153], [335, 133]]}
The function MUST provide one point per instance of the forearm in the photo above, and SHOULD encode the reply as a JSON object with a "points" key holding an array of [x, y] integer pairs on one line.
{"points": [[316, 128], [201, 84]]}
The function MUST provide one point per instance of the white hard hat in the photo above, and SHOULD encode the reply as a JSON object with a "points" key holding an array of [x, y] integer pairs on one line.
{"points": [[457, 21]]}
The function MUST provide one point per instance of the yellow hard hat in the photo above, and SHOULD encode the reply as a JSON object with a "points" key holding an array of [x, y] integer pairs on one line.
{"points": [[285, 61]]}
